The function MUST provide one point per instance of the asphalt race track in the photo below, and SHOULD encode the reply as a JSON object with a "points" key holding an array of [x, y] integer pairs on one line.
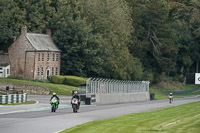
{"points": [[37, 118]]}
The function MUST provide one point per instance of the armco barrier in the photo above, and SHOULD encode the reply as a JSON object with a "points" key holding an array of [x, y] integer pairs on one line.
{"points": [[13, 98]]}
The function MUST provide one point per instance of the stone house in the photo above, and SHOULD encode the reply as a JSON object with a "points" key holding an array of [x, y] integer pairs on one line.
{"points": [[4, 65], [34, 56]]}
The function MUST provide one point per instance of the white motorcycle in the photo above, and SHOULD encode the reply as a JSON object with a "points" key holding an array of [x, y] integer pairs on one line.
{"points": [[75, 105]]}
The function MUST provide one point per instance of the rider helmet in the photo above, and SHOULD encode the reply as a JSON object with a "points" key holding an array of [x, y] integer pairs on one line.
{"points": [[75, 92], [54, 93]]}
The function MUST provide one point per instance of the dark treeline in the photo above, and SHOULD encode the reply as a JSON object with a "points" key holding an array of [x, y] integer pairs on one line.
{"points": [[120, 39]]}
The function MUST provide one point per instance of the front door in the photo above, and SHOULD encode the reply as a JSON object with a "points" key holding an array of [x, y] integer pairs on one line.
{"points": [[1, 72], [47, 72]]}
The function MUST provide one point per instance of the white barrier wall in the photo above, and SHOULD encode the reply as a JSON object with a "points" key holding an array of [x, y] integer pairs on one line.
{"points": [[13, 98], [121, 98]]}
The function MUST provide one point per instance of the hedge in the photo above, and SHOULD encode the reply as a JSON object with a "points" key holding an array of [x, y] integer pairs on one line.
{"points": [[68, 80]]}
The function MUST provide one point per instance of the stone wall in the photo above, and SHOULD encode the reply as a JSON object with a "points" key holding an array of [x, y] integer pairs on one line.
{"points": [[29, 89], [17, 56], [4, 58]]}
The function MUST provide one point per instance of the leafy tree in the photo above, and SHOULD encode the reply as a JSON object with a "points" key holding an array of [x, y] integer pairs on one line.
{"points": [[184, 39], [153, 36], [11, 18], [74, 37], [195, 28], [111, 22]]}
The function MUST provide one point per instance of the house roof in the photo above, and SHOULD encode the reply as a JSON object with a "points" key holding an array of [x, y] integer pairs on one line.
{"points": [[41, 42], [4, 64]]}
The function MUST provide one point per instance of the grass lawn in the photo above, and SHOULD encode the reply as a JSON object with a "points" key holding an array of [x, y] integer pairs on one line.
{"points": [[28, 102], [60, 89], [157, 89], [179, 119]]}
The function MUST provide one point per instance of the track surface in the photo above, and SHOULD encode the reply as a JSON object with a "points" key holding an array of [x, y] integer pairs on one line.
{"points": [[37, 118]]}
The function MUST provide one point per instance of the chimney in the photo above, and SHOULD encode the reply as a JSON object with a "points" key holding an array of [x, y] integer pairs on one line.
{"points": [[48, 32], [23, 30]]}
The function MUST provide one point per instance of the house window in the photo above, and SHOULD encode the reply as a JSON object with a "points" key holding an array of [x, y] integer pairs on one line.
{"points": [[42, 71], [56, 71], [56, 57], [42, 56], [38, 56], [8, 71], [48, 55], [52, 70], [53, 57], [38, 71]]}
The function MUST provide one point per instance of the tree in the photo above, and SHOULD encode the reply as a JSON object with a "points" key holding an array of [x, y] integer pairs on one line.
{"points": [[184, 40], [153, 36], [74, 37], [195, 27], [111, 22], [11, 19]]}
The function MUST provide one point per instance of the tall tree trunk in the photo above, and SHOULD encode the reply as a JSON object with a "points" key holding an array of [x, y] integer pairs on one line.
{"points": [[182, 68], [197, 66]]}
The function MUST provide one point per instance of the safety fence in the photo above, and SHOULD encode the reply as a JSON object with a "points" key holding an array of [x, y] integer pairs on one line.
{"points": [[185, 92], [111, 86], [13, 98]]}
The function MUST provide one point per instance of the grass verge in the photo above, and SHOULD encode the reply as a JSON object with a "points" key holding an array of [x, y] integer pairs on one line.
{"points": [[28, 102], [57, 88], [179, 119]]}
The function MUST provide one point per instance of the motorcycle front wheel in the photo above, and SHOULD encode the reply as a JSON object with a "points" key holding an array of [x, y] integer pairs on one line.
{"points": [[74, 109]]}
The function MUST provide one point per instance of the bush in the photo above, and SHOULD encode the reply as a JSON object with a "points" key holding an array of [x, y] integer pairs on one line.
{"points": [[68, 80], [57, 79], [180, 78]]}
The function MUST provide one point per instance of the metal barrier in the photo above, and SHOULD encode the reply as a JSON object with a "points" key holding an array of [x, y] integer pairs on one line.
{"points": [[184, 92], [111, 86]]}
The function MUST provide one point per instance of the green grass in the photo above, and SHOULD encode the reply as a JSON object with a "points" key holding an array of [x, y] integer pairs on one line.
{"points": [[28, 102], [179, 119], [57, 88], [172, 86], [158, 94]]}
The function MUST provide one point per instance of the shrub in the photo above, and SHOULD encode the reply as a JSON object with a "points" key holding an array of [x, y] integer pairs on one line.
{"points": [[68, 80], [57, 79]]}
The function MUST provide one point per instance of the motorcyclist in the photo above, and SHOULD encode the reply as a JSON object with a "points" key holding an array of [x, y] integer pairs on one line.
{"points": [[54, 95], [75, 95], [171, 96]]}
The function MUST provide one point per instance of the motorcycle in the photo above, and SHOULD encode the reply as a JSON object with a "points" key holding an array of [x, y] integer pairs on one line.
{"points": [[75, 105], [54, 104], [170, 99]]}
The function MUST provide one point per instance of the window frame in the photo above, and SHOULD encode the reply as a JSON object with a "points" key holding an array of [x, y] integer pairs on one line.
{"points": [[8, 71], [48, 56], [38, 56], [38, 71], [42, 56], [56, 71], [42, 71], [52, 72], [53, 57], [57, 57]]}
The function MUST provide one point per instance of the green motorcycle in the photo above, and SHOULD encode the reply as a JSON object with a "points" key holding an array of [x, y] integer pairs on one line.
{"points": [[54, 104]]}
